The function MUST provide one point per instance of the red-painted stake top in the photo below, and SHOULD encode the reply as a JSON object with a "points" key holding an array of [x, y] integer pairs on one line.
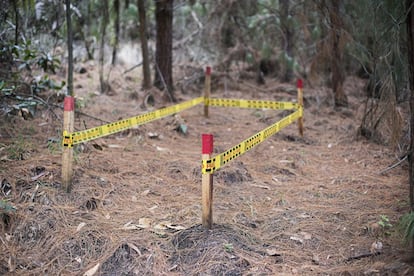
{"points": [[208, 70], [207, 143], [300, 83], [69, 103]]}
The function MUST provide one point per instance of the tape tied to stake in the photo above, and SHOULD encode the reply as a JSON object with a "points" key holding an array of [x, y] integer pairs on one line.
{"points": [[215, 163], [67, 140]]}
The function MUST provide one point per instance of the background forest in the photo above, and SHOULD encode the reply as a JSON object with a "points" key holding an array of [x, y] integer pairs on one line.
{"points": [[158, 49], [320, 41]]}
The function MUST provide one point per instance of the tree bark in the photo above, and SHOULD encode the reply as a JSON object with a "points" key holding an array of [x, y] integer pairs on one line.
{"points": [[287, 40], [116, 27], [410, 42], [144, 44], [163, 53], [70, 49], [338, 77], [103, 86]]}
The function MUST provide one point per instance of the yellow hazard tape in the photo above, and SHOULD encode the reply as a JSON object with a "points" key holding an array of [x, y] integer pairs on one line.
{"points": [[70, 139], [213, 164], [250, 103]]}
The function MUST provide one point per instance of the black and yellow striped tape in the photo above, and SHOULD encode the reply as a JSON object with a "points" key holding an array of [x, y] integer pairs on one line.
{"points": [[70, 139], [213, 164], [250, 104]]}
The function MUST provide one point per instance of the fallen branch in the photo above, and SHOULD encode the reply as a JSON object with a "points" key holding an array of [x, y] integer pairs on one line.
{"points": [[364, 255], [399, 162], [132, 68]]}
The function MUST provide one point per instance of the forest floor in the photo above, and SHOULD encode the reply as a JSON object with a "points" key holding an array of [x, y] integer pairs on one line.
{"points": [[290, 206]]}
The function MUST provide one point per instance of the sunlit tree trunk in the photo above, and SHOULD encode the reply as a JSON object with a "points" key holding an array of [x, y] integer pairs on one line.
{"points": [[163, 53], [144, 44]]}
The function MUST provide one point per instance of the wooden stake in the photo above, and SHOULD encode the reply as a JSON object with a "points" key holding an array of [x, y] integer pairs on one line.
{"points": [[207, 183], [67, 157], [300, 102], [207, 88]]}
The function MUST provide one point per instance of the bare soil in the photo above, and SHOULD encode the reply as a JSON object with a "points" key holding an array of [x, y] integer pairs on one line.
{"points": [[311, 205]]}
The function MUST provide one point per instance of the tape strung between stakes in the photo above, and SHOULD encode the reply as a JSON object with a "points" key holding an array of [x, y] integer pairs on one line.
{"points": [[70, 139], [213, 164]]}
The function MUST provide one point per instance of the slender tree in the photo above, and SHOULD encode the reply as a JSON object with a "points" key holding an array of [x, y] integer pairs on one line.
{"points": [[117, 10], [337, 48], [163, 53], [144, 44], [104, 23], [410, 40], [287, 33], [70, 48]]}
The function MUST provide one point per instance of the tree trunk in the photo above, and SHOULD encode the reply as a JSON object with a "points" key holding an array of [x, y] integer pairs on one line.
{"points": [[103, 86], [410, 42], [338, 77], [144, 44], [163, 53], [116, 26], [70, 49], [287, 40]]}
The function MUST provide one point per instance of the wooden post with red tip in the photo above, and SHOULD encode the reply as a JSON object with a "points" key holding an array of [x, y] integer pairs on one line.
{"points": [[207, 183], [67, 156], [300, 102], [207, 88]]}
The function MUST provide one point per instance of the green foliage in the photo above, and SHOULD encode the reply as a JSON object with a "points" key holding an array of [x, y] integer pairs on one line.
{"points": [[54, 145], [228, 247], [406, 227], [18, 149], [384, 222], [6, 207], [26, 57]]}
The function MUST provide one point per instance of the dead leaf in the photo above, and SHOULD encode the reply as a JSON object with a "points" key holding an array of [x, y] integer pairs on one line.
{"points": [[296, 238], [175, 226], [160, 226], [153, 135], [114, 146], [135, 248], [145, 222], [272, 252], [92, 271], [80, 226], [305, 235]]}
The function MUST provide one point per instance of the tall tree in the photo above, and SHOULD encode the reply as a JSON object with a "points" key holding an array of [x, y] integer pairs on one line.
{"points": [[105, 14], [287, 35], [117, 10], [337, 48], [163, 52], [144, 44], [410, 40]]}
